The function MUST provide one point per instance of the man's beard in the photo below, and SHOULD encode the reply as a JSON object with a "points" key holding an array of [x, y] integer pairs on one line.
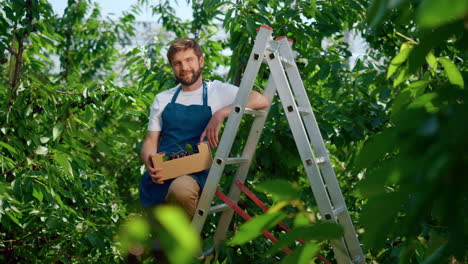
{"points": [[195, 76]]}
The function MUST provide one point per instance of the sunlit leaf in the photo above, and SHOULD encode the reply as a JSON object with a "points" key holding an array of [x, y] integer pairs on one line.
{"points": [[425, 101], [133, 234], [453, 74], [255, 226], [279, 189], [302, 255], [400, 58], [431, 60], [402, 76], [181, 242]]}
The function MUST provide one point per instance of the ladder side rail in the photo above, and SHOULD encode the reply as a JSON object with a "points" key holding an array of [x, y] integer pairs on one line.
{"points": [[232, 125], [242, 171], [305, 151], [321, 151]]}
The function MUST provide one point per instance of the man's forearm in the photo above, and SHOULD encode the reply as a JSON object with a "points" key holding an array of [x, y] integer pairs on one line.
{"points": [[256, 101], [149, 147]]}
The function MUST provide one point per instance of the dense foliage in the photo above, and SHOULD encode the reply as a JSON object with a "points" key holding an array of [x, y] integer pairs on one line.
{"points": [[74, 100]]}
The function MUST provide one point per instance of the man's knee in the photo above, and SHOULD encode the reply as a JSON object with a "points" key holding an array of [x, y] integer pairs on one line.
{"points": [[183, 188], [184, 192]]}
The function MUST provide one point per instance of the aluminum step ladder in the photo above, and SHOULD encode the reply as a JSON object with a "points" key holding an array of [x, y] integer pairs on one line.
{"points": [[286, 81]]}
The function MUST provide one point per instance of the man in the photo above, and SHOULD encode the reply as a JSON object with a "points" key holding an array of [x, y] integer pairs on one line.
{"points": [[188, 113]]}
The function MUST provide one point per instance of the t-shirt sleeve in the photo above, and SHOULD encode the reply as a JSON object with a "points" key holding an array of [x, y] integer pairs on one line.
{"points": [[229, 92], [155, 122]]}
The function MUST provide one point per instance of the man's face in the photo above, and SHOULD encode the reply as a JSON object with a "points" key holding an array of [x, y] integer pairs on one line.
{"points": [[187, 66]]}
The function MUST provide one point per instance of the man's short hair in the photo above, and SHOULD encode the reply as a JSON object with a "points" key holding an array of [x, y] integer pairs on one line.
{"points": [[183, 44]]}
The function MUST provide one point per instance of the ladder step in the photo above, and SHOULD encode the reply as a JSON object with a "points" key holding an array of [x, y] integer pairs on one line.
{"points": [[205, 253], [249, 111], [304, 110], [320, 160], [237, 160], [286, 62], [218, 208]]}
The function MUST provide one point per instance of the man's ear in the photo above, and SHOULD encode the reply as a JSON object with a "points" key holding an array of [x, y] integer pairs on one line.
{"points": [[202, 61]]}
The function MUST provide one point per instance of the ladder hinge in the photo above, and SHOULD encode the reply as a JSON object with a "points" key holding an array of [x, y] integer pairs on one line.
{"points": [[304, 110], [320, 160], [339, 210]]}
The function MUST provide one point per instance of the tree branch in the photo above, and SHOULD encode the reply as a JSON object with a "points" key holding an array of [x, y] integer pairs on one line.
{"points": [[12, 51]]}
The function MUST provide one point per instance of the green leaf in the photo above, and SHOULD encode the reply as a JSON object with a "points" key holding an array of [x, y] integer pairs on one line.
{"points": [[375, 148], [406, 96], [37, 194], [425, 101], [279, 189], [178, 238], [56, 131], [251, 26], [453, 74], [255, 226], [431, 60], [402, 56], [310, 8], [402, 76], [376, 12], [316, 232], [62, 160], [138, 228], [302, 255], [13, 217], [378, 217], [10, 148], [433, 13]]}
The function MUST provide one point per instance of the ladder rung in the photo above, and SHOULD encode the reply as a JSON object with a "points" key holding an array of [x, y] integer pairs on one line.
{"points": [[218, 208], [339, 210], [358, 259], [237, 160], [205, 253], [254, 112], [304, 110]]}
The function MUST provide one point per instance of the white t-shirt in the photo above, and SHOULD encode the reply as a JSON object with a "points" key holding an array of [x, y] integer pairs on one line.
{"points": [[219, 95]]}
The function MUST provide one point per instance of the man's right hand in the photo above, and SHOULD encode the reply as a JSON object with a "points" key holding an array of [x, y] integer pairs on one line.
{"points": [[155, 175]]}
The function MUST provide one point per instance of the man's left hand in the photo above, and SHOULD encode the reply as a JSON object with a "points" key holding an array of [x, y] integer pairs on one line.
{"points": [[212, 129]]}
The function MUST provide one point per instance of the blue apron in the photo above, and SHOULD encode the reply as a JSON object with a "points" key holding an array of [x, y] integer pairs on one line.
{"points": [[181, 125]]}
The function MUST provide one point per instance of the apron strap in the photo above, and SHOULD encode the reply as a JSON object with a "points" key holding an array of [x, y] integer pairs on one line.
{"points": [[174, 98], [205, 94]]}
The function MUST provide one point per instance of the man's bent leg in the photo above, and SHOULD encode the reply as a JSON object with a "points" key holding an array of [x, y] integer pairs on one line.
{"points": [[184, 191]]}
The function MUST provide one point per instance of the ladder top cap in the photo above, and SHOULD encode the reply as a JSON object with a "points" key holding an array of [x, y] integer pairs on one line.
{"points": [[265, 27], [282, 37]]}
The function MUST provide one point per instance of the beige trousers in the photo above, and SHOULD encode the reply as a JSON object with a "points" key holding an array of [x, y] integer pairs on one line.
{"points": [[184, 192]]}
